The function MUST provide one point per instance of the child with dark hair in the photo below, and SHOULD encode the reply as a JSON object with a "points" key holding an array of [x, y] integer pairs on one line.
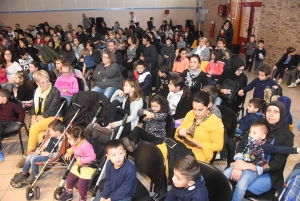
{"points": [[84, 154], [284, 63], [33, 67], [8, 120], [143, 76], [256, 152], [179, 97], [260, 84], [120, 173], [215, 67], [214, 99], [155, 124], [181, 43], [42, 154], [167, 52], [188, 183], [181, 63], [88, 63], [24, 88], [250, 47], [253, 112], [25, 60], [162, 87], [259, 55]]}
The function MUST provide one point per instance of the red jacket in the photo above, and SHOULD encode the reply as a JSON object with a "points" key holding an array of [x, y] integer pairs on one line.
{"points": [[215, 68], [3, 76], [8, 110], [42, 41]]}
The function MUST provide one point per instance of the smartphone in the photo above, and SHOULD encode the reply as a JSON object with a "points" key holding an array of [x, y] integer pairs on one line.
{"points": [[170, 143]]}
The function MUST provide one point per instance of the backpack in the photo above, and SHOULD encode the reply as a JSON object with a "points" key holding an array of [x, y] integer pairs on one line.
{"points": [[291, 187]]}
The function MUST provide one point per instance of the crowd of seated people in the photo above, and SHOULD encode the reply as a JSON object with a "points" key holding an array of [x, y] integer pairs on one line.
{"points": [[39, 66]]}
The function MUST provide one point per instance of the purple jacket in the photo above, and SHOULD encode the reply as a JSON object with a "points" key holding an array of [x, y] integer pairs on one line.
{"points": [[85, 151]]}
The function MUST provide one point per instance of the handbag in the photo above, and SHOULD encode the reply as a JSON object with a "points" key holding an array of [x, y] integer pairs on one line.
{"points": [[231, 85]]}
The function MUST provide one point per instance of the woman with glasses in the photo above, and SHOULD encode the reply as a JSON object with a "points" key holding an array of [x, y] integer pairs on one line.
{"points": [[107, 75], [236, 74], [46, 103], [201, 50], [11, 68]]}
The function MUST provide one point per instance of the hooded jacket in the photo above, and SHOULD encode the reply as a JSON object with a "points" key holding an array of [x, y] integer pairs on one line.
{"points": [[287, 102], [70, 83], [248, 120], [193, 193]]}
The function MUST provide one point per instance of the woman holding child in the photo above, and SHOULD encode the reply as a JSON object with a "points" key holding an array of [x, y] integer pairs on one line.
{"points": [[279, 135], [46, 102]]}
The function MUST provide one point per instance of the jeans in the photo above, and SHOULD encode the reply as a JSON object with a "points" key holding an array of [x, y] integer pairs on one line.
{"points": [[261, 185], [127, 198], [238, 131], [108, 92], [218, 101], [30, 162], [258, 64], [7, 128], [68, 99], [247, 177]]}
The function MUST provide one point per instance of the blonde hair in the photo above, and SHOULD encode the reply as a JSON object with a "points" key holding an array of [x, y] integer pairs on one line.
{"points": [[204, 39], [85, 51], [41, 74]]}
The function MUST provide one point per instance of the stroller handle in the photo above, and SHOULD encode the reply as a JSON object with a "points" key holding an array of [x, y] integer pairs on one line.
{"points": [[121, 110], [101, 103], [76, 105]]}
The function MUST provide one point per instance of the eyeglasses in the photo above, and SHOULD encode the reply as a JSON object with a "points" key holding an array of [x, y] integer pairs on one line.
{"points": [[241, 70], [44, 83], [65, 72], [8, 54], [105, 57]]}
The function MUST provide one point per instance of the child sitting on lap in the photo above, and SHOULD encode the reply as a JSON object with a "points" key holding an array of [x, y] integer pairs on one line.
{"points": [[188, 183], [256, 151], [42, 154], [121, 174]]}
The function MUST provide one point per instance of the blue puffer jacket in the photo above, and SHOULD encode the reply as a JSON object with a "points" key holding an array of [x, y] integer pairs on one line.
{"points": [[248, 120]]}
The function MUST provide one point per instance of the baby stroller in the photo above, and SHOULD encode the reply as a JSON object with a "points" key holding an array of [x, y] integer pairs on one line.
{"points": [[34, 191], [98, 136]]}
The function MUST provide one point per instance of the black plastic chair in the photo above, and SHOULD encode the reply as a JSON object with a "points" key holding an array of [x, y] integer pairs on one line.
{"points": [[267, 196], [8, 133], [150, 161], [218, 186], [229, 120], [80, 84]]}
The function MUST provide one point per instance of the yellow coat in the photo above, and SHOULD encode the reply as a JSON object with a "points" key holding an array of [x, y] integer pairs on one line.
{"points": [[203, 66], [210, 134]]}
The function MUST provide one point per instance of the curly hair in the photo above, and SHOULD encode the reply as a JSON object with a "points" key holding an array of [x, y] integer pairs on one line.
{"points": [[162, 101]]}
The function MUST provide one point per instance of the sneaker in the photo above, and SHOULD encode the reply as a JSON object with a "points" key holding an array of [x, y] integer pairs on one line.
{"points": [[30, 179], [19, 178], [129, 145], [292, 85], [279, 81], [66, 196], [1, 156], [297, 81]]}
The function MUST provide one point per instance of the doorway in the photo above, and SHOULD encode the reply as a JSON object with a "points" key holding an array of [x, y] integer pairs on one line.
{"points": [[249, 21]]}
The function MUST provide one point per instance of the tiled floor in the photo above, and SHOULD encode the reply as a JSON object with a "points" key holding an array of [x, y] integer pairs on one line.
{"points": [[49, 181]]}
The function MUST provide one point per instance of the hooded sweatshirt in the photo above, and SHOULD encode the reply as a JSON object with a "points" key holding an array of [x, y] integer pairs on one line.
{"points": [[70, 83], [193, 193], [144, 79]]}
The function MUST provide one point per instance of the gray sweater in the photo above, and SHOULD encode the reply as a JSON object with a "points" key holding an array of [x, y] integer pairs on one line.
{"points": [[167, 50], [109, 76], [204, 53]]}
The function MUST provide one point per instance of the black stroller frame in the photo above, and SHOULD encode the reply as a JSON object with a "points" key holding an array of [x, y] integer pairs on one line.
{"points": [[61, 189], [34, 191]]}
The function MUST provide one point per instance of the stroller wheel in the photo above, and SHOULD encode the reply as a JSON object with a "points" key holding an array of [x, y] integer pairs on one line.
{"points": [[15, 185], [58, 192], [37, 192], [29, 193]]}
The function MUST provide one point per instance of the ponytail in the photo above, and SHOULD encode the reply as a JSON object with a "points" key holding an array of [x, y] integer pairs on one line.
{"points": [[186, 92]]}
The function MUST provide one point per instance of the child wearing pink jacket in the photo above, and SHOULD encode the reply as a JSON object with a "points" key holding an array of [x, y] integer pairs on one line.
{"points": [[67, 83], [215, 67]]}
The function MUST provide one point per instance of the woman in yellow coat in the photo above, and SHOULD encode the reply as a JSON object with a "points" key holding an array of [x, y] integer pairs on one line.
{"points": [[201, 130]]}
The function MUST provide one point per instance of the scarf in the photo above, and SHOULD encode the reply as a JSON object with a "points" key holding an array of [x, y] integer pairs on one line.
{"points": [[274, 128], [173, 99], [254, 153], [40, 95], [190, 76]]}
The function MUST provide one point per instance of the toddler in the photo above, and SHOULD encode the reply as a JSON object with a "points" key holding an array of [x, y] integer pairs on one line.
{"points": [[143, 76], [163, 81]]}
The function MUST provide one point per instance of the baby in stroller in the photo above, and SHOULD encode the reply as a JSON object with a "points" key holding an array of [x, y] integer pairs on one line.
{"points": [[56, 129]]}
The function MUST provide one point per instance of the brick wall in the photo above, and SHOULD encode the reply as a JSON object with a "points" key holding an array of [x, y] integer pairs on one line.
{"points": [[212, 15], [279, 27]]}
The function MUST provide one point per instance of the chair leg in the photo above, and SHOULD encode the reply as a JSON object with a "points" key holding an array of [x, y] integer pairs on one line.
{"points": [[21, 142]]}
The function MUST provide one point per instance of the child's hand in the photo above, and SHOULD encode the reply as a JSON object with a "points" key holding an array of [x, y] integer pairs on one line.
{"points": [[120, 93], [275, 87], [68, 156], [64, 90], [142, 58], [15, 90], [149, 115], [225, 91], [286, 69], [78, 162], [250, 60], [113, 125], [241, 93], [130, 60], [274, 67]]}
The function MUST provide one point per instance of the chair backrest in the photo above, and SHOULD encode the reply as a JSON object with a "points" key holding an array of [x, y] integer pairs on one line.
{"points": [[65, 107], [149, 160], [229, 120], [218, 186], [170, 126], [80, 84]]}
